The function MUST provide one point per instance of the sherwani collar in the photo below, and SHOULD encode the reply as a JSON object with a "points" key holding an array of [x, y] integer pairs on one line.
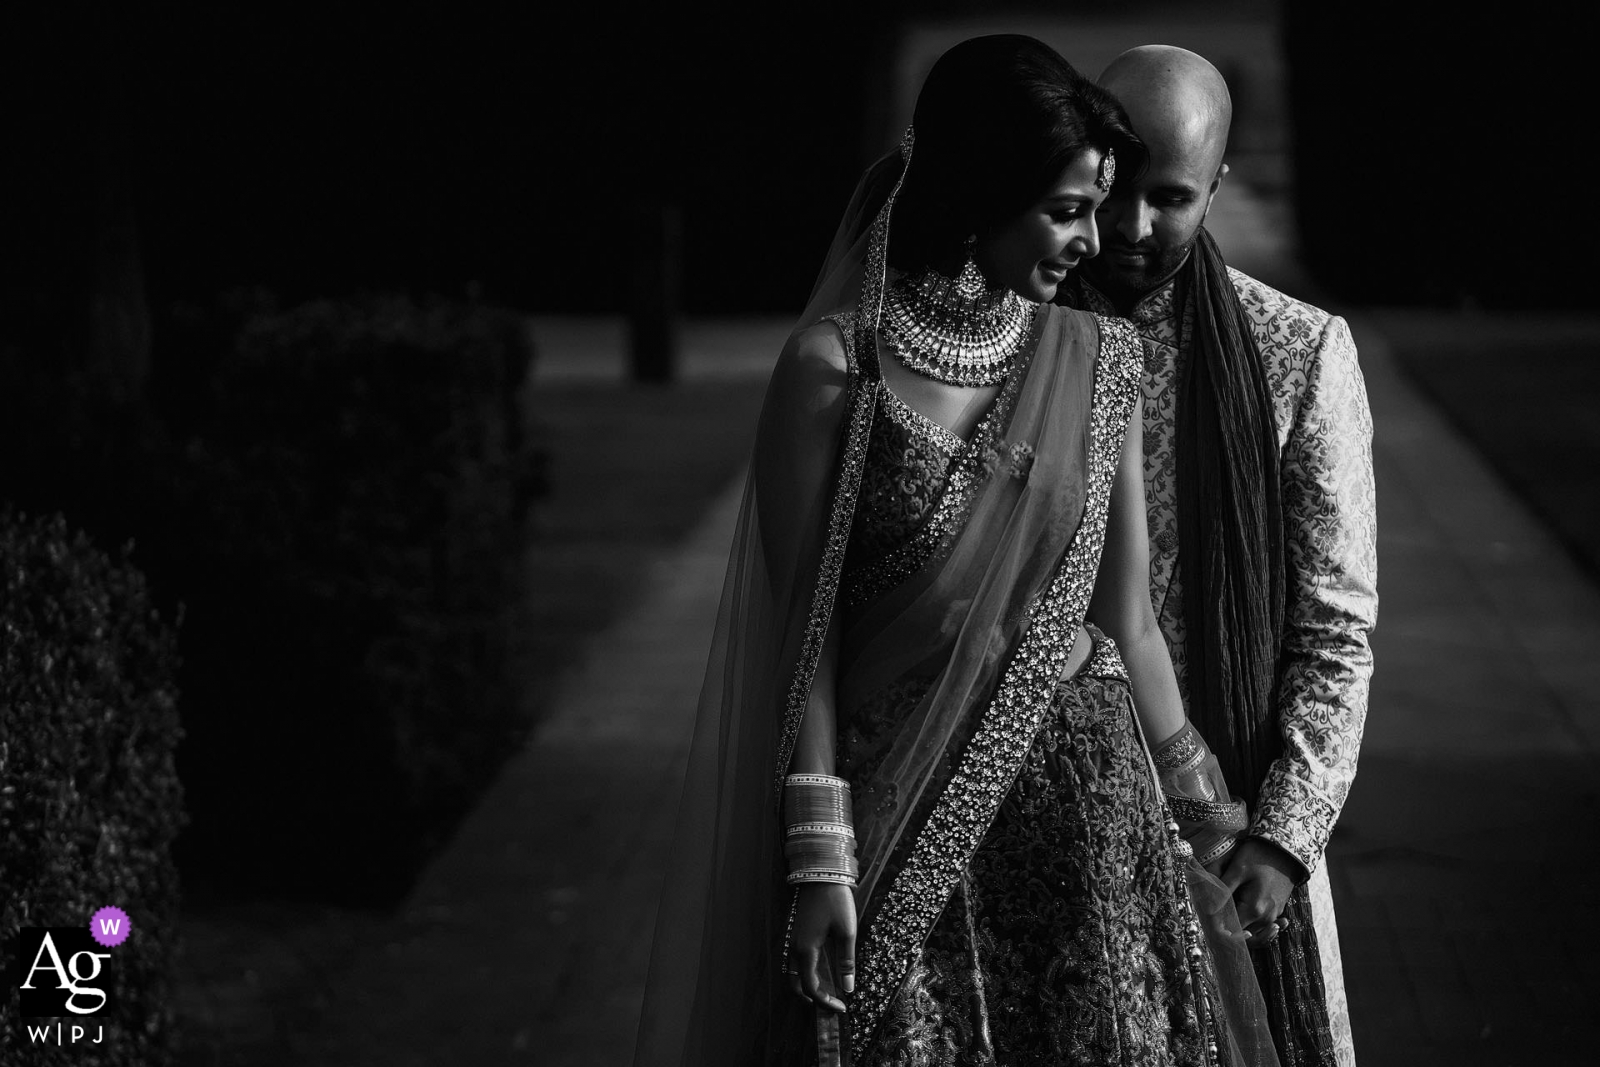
{"points": [[1152, 308]]}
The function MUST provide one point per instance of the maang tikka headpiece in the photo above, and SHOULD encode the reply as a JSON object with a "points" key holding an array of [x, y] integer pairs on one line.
{"points": [[1108, 171]]}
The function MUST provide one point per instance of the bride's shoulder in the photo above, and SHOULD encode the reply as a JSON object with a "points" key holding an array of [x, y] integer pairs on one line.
{"points": [[1090, 323], [810, 383], [818, 352], [1067, 316]]}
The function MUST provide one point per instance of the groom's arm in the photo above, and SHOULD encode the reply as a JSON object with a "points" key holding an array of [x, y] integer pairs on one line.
{"points": [[1330, 521]]}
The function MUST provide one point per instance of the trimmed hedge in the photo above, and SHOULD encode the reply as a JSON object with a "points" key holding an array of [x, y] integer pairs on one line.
{"points": [[89, 798], [334, 494]]}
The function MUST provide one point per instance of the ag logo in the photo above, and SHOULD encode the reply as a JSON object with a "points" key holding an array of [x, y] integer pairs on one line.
{"points": [[60, 972]]}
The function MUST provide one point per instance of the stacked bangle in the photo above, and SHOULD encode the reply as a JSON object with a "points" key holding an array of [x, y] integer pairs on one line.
{"points": [[1209, 819], [819, 840]]}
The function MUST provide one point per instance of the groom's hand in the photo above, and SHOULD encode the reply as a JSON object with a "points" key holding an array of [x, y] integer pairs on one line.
{"points": [[1261, 876]]}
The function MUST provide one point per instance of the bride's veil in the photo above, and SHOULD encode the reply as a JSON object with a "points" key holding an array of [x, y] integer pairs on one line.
{"points": [[713, 995], [839, 281]]}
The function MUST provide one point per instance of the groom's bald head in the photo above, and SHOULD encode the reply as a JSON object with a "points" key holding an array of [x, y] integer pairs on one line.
{"points": [[1179, 106], [1176, 99]]}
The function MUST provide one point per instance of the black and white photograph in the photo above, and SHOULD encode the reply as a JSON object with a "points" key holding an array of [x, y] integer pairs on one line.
{"points": [[855, 534]]}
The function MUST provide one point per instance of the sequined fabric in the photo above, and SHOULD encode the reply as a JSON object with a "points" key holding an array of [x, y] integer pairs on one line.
{"points": [[908, 467], [1062, 942]]}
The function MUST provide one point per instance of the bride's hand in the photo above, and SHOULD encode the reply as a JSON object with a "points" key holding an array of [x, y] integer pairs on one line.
{"points": [[824, 913]]}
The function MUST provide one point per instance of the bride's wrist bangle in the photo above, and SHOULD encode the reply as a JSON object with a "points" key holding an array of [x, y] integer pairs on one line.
{"points": [[819, 838], [1188, 768], [1213, 848], [1210, 828], [1184, 748], [821, 852], [810, 798], [827, 828]]}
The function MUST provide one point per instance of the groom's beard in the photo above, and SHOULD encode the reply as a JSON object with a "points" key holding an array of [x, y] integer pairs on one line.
{"points": [[1122, 280]]}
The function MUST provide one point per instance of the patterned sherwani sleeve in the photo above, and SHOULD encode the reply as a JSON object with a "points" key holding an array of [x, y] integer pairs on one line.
{"points": [[1330, 517]]}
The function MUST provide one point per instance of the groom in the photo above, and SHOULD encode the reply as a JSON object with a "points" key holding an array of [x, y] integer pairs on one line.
{"points": [[1259, 494]]}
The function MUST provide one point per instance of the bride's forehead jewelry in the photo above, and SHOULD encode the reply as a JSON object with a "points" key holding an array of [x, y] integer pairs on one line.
{"points": [[1108, 171]]}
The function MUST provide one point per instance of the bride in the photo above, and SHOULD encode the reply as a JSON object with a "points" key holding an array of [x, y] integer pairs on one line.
{"points": [[921, 823]]}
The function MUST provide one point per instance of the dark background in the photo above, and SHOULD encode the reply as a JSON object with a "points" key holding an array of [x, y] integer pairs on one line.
{"points": [[548, 153], [428, 146]]}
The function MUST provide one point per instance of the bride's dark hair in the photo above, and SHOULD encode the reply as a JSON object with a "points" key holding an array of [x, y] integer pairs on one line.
{"points": [[997, 121]]}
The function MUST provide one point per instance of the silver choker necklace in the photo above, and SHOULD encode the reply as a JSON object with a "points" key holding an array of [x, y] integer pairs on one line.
{"points": [[956, 331]]}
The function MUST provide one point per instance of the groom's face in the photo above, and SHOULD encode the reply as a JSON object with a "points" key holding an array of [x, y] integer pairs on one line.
{"points": [[1149, 222]]}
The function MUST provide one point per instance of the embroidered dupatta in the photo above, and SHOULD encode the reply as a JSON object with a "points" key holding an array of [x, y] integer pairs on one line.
{"points": [[992, 616]]}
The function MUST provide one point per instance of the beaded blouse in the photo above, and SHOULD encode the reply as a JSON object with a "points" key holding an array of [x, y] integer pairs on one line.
{"points": [[905, 475], [918, 483]]}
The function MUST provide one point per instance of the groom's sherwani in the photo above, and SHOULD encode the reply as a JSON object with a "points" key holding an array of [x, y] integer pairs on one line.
{"points": [[1330, 554]]}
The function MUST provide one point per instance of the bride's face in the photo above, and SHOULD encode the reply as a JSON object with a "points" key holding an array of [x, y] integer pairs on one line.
{"points": [[1031, 254]]}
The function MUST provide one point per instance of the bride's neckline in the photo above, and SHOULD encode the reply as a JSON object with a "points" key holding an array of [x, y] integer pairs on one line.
{"points": [[915, 420], [979, 405], [969, 405]]}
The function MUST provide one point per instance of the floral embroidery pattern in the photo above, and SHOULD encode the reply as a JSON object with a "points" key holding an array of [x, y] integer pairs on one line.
{"points": [[1012, 460], [905, 475], [1062, 944], [866, 735]]}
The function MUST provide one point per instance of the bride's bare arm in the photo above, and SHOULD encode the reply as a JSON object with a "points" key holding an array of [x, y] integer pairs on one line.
{"points": [[797, 444], [1121, 602], [825, 914]]}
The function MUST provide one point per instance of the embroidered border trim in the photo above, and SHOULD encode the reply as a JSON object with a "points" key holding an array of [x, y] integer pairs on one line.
{"points": [[1106, 659], [852, 460], [946, 439], [966, 807]]}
